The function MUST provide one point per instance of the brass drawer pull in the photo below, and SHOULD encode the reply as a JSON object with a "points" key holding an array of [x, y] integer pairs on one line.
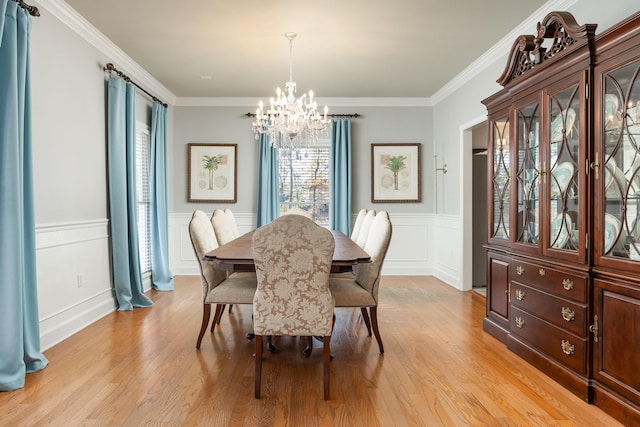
{"points": [[519, 294], [568, 348], [568, 314], [519, 322], [541, 272], [519, 270], [567, 284]]}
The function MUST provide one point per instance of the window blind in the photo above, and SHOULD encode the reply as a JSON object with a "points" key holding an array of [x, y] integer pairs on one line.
{"points": [[304, 181], [143, 197]]}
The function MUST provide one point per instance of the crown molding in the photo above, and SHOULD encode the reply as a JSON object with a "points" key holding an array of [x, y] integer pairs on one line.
{"points": [[499, 49], [332, 102], [68, 16]]}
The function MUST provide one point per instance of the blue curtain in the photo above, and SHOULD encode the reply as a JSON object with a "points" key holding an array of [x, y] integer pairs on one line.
{"points": [[19, 324], [160, 275], [268, 192], [121, 164], [340, 180]]}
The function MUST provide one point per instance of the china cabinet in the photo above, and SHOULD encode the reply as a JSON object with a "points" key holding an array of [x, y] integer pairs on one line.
{"points": [[616, 177], [563, 252]]}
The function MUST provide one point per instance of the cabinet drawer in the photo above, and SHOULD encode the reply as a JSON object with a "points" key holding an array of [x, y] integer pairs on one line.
{"points": [[558, 282], [563, 313], [566, 348]]}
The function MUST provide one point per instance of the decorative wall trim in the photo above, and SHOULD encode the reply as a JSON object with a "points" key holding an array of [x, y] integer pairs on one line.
{"points": [[74, 280], [251, 102], [410, 252], [68, 16], [447, 263], [62, 325], [497, 50]]}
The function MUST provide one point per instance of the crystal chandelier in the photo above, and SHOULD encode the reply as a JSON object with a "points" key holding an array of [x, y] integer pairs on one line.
{"points": [[290, 122]]}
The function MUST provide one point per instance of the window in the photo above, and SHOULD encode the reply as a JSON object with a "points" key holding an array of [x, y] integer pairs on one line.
{"points": [[143, 196], [304, 180]]}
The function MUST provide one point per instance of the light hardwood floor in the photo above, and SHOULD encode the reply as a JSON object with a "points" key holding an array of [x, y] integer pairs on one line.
{"points": [[440, 369]]}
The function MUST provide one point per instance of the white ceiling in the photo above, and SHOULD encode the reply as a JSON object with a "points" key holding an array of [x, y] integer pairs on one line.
{"points": [[344, 48]]}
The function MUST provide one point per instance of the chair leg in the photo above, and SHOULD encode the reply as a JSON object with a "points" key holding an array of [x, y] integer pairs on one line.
{"points": [[230, 307], [272, 348], [216, 315], [374, 323], [326, 357], [206, 313], [309, 348], [223, 306], [365, 317], [258, 373]]}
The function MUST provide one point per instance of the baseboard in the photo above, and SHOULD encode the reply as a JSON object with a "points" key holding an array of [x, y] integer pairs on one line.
{"points": [[59, 331]]}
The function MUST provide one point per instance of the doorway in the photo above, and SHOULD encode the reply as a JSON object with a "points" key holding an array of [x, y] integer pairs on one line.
{"points": [[473, 140], [479, 209]]}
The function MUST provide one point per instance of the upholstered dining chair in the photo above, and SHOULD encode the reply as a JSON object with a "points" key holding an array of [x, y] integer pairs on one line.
{"points": [[361, 290], [224, 225], [217, 287], [357, 225], [226, 229], [293, 258], [298, 211], [363, 234]]}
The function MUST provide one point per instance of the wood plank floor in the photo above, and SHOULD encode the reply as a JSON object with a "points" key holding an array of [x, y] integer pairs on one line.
{"points": [[440, 369]]}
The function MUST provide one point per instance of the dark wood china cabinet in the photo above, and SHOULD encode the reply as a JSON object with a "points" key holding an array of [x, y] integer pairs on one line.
{"points": [[563, 251]]}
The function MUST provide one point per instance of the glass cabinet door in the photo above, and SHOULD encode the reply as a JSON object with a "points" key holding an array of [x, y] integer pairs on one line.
{"points": [[528, 174], [620, 165], [563, 167], [501, 179]]}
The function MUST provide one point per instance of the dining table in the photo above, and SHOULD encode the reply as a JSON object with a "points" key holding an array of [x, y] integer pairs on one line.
{"points": [[236, 255]]}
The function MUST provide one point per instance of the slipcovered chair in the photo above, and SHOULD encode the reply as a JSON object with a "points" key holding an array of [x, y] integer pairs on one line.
{"points": [[293, 257], [357, 225], [364, 230], [224, 225], [217, 288], [298, 211], [362, 290], [233, 222], [226, 229]]}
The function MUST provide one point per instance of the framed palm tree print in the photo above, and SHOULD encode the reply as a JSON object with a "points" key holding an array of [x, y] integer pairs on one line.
{"points": [[212, 173], [395, 173]]}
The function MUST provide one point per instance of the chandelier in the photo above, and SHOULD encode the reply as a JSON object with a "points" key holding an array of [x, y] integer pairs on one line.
{"points": [[290, 121]]}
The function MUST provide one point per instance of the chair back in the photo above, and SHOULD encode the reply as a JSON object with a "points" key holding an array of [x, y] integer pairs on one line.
{"points": [[293, 257], [233, 222], [364, 230], [368, 274], [224, 227], [358, 224], [203, 240], [298, 211]]}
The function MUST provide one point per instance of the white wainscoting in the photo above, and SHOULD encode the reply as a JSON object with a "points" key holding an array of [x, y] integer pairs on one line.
{"points": [[447, 247], [74, 281], [410, 253]]}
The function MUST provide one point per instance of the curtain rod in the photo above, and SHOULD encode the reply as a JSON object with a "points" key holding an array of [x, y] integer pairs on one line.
{"points": [[352, 115], [33, 11], [110, 67]]}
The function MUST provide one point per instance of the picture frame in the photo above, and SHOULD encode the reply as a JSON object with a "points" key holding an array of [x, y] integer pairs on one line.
{"points": [[396, 174], [212, 173]]}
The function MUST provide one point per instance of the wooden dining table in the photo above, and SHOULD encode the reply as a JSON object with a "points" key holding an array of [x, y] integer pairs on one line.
{"points": [[237, 255]]}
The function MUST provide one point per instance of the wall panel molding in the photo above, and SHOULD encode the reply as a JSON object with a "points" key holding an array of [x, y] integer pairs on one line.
{"points": [[409, 252], [74, 279]]}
